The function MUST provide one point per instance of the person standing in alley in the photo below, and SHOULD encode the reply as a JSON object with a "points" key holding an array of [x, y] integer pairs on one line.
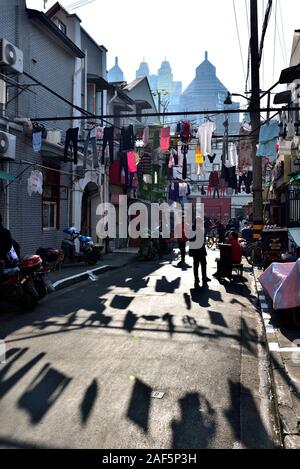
{"points": [[181, 233], [199, 255]]}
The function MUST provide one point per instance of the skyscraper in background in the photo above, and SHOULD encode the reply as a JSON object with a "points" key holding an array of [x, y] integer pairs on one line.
{"points": [[207, 92], [115, 74]]}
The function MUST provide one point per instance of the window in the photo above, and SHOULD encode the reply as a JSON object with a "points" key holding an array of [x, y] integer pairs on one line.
{"points": [[49, 215], [51, 199], [62, 26]]}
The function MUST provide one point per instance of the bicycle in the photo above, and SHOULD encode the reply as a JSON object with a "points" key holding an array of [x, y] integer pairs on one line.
{"points": [[212, 241]]}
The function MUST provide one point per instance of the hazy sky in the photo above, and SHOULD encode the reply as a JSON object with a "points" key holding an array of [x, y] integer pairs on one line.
{"points": [[183, 30]]}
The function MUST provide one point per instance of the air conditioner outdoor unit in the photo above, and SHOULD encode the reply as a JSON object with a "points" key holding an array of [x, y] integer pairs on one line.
{"points": [[7, 146], [11, 58]]}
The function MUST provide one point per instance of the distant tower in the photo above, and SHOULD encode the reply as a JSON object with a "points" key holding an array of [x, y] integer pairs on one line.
{"points": [[206, 91], [165, 77], [115, 74], [143, 70]]}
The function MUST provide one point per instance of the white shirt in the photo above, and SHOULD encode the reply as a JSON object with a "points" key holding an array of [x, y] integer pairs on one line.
{"points": [[233, 158], [204, 134]]}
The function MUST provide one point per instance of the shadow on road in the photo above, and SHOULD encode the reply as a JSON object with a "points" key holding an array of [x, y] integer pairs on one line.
{"points": [[139, 405], [197, 425]]}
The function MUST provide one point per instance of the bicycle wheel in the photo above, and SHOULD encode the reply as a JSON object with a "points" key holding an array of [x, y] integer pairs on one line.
{"points": [[254, 255]]}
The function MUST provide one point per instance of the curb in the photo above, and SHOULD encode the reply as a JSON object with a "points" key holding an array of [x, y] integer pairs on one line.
{"points": [[287, 420], [91, 274]]}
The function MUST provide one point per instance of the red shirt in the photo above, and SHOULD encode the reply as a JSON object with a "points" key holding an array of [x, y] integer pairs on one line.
{"points": [[237, 252]]}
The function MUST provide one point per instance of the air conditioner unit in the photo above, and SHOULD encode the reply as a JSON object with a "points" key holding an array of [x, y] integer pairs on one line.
{"points": [[7, 146], [11, 58]]}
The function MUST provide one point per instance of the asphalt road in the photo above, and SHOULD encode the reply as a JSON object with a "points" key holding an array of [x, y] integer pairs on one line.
{"points": [[82, 368]]}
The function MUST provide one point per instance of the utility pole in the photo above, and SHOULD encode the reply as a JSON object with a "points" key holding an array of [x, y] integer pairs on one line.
{"points": [[255, 121]]}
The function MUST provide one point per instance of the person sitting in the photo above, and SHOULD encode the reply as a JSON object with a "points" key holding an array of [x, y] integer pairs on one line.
{"points": [[231, 253], [236, 248]]}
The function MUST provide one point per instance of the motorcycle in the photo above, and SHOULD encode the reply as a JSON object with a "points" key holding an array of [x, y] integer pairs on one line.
{"points": [[88, 253], [24, 283]]}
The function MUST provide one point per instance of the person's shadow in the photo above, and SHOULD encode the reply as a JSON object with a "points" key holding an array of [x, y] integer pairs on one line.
{"points": [[203, 295], [197, 425]]}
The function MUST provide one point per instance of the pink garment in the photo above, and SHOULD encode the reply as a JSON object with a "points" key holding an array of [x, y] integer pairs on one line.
{"points": [[99, 133], [165, 139], [281, 283], [132, 168]]}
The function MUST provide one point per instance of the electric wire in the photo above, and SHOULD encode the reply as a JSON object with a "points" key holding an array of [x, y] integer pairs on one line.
{"points": [[239, 38], [283, 33], [79, 4], [264, 29]]}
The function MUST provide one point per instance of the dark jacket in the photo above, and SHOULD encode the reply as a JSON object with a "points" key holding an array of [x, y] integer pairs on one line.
{"points": [[200, 253], [5, 243]]}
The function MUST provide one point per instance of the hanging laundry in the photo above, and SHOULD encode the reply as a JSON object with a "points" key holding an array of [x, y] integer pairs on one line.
{"points": [[154, 137], [232, 156], [178, 127], [245, 147], [35, 183], [204, 134], [137, 158], [186, 132], [164, 139], [37, 141], [127, 138], [175, 156], [146, 163], [108, 139], [214, 180], [211, 158], [245, 178], [147, 178], [91, 139], [225, 141], [200, 170], [268, 137], [99, 132], [146, 136], [171, 162], [174, 191], [71, 137], [184, 163], [175, 172], [199, 158], [132, 168]]}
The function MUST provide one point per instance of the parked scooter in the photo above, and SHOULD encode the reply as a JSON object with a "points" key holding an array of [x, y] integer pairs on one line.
{"points": [[88, 253], [23, 283]]}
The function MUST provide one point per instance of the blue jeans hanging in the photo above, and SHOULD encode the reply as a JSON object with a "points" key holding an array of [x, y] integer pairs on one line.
{"points": [[93, 142]]}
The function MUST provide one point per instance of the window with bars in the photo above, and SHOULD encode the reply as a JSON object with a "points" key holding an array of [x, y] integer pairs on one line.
{"points": [[51, 199]]}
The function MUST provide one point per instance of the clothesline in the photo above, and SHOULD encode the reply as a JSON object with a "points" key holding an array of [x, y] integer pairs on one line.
{"points": [[166, 114]]}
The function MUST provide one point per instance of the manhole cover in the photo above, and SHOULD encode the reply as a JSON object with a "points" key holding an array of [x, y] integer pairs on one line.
{"points": [[157, 395]]}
